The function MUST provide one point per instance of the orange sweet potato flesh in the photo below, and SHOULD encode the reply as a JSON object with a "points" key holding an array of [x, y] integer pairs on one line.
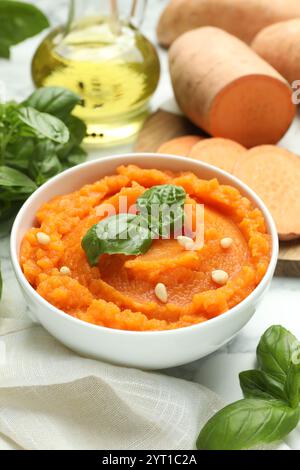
{"points": [[180, 145], [228, 90], [279, 44], [222, 153], [274, 174], [242, 18]]}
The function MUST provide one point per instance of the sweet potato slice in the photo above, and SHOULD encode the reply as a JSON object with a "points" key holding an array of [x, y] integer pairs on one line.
{"points": [[274, 174], [222, 153], [228, 90], [180, 145]]}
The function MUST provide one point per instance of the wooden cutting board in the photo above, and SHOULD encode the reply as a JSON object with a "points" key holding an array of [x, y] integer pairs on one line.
{"points": [[162, 126]]}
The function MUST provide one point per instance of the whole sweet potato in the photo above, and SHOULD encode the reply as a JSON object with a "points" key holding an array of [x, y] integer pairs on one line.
{"points": [[242, 18], [279, 44], [227, 89]]}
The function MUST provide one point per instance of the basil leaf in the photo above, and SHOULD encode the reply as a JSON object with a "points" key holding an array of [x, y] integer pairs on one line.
{"points": [[19, 153], [292, 385], [4, 50], [259, 384], [19, 21], [12, 130], [77, 155], [45, 124], [14, 182], [122, 234], [77, 131], [162, 206], [57, 101], [247, 423], [8, 211], [275, 350], [163, 194], [44, 162]]}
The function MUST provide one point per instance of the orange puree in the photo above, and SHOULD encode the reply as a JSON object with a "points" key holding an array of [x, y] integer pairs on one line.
{"points": [[119, 291]]}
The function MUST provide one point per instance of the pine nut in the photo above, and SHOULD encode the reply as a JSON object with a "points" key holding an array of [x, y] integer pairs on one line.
{"points": [[65, 270], [219, 277], [226, 242], [186, 242], [43, 238], [161, 292]]}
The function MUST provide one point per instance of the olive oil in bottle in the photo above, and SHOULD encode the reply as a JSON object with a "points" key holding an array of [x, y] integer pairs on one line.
{"points": [[114, 71]]}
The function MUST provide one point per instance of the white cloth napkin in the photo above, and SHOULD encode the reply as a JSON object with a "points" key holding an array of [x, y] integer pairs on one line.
{"points": [[51, 398]]}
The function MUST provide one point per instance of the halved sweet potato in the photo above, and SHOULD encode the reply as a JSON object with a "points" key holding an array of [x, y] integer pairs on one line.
{"points": [[228, 90]]}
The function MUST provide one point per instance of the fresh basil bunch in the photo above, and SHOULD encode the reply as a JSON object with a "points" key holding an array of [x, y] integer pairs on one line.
{"points": [[18, 21], [38, 139], [270, 409], [133, 234]]}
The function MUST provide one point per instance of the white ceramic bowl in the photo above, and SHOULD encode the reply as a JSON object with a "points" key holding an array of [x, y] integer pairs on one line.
{"points": [[146, 350]]}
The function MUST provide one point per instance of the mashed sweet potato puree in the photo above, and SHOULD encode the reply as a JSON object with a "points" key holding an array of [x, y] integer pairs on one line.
{"points": [[119, 291]]}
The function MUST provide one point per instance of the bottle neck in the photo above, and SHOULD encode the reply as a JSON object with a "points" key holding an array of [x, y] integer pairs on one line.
{"points": [[130, 11]]}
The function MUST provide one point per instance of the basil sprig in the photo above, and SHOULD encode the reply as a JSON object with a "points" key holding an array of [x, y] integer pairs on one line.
{"points": [[270, 409], [38, 139], [133, 234]]}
